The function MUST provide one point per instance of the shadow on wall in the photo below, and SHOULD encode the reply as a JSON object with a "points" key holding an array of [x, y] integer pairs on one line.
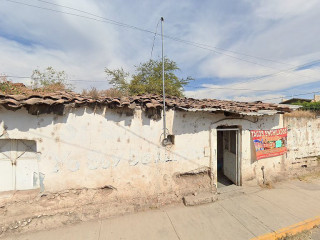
{"points": [[43, 120], [195, 122], [191, 122], [267, 122], [253, 151], [183, 123], [22, 121], [31, 122], [119, 115]]}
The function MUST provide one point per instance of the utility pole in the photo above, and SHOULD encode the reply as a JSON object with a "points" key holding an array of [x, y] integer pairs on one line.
{"points": [[164, 92]]}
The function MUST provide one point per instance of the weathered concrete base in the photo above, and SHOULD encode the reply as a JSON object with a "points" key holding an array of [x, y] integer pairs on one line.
{"points": [[197, 199], [23, 211], [254, 214], [31, 210], [311, 167]]}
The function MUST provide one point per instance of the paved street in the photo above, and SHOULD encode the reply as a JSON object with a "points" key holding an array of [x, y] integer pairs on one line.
{"points": [[241, 213]]}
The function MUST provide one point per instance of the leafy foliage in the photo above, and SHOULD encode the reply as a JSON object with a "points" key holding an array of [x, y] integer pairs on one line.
{"points": [[50, 79], [313, 106], [118, 79], [95, 93], [148, 79], [7, 87]]}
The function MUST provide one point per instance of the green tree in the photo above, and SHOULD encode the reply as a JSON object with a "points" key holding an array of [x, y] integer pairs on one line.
{"points": [[312, 106], [50, 78], [148, 78], [119, 79], [8, 87]]}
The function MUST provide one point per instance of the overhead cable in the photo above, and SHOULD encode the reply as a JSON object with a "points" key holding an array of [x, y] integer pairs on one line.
{"points": [[84, 80], [294, 95], [110, 21]]}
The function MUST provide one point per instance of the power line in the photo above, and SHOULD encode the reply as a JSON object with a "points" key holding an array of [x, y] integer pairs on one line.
{"points": [[77, 15], [106, 20], [127, 25], [291, 95], [199, 45], [72, 80], [176, 39], [154, 38], [274, 74], [226, 88], [84, 80], [240, 89], [94, 15]]}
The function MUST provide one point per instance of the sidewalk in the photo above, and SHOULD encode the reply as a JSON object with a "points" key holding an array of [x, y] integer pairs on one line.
{"points": [[243, 213]]}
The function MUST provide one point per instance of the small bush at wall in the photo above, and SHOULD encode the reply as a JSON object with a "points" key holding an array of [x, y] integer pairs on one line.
{"points": [[311, 106]]}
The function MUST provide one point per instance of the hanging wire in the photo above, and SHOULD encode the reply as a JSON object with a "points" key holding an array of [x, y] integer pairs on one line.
{"points": [[154, 38]]}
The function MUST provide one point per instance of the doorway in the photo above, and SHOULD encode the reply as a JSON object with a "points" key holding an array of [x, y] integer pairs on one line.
{"points": [[228, 159], [18, 165]]}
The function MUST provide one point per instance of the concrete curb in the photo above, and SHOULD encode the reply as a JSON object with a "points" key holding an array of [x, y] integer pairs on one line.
{"points": [[202, 198], [291, 230]]}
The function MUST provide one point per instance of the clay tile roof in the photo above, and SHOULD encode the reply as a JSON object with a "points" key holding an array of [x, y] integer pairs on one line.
{"points": [[145, 101], [11, 102], [149, 105], [32, 101], [17, 97]]}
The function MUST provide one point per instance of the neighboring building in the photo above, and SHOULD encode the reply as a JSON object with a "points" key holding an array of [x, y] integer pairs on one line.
{"points": [[295, 100], [316, 98]]}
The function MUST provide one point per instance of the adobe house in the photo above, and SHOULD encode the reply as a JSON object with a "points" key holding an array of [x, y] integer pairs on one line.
{"points": [[316, 98], [66, 146], [65, 141]]}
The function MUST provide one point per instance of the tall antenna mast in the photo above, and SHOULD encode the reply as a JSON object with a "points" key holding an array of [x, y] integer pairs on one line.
{"points": [[164, 92]]}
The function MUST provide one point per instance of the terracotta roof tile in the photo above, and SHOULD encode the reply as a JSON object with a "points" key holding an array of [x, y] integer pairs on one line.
{"points": [[145, 101]]}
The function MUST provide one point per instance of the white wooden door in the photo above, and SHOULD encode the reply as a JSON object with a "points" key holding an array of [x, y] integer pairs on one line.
{"points": [[6, 167], [27, 173], [231, 156], [18, 165]]}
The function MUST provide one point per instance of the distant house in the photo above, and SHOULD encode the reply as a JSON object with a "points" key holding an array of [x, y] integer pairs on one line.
{"points": [[301, 100], [295, 100]]}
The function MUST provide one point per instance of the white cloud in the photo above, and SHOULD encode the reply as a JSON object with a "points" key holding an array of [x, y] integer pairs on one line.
{"points": [[274, 9], [261, 88], [285, 31]]}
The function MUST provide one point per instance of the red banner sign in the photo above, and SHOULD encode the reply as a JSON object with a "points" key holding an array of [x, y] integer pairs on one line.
{"points": [[269, 143]]}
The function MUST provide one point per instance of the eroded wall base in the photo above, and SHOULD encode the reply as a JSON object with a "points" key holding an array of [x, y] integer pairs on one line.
{"points": [[23, 211]]}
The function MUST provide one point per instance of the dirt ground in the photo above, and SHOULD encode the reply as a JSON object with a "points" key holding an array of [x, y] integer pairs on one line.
{"points": [[29, 211], [24, 211], [313, 234]]}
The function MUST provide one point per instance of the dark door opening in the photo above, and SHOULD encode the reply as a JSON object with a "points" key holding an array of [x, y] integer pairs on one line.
{"points": [[227, 157]]}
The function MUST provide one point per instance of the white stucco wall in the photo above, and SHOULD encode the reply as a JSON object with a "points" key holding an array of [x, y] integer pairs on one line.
{"points": [[92, 149], [303, 142], [95, 149]]}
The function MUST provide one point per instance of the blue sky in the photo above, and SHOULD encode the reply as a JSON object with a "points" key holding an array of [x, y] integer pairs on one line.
{"points": [[259, 45]]}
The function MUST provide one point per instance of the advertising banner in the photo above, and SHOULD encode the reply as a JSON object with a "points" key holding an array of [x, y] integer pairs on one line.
{"points": [[269, 143]]}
